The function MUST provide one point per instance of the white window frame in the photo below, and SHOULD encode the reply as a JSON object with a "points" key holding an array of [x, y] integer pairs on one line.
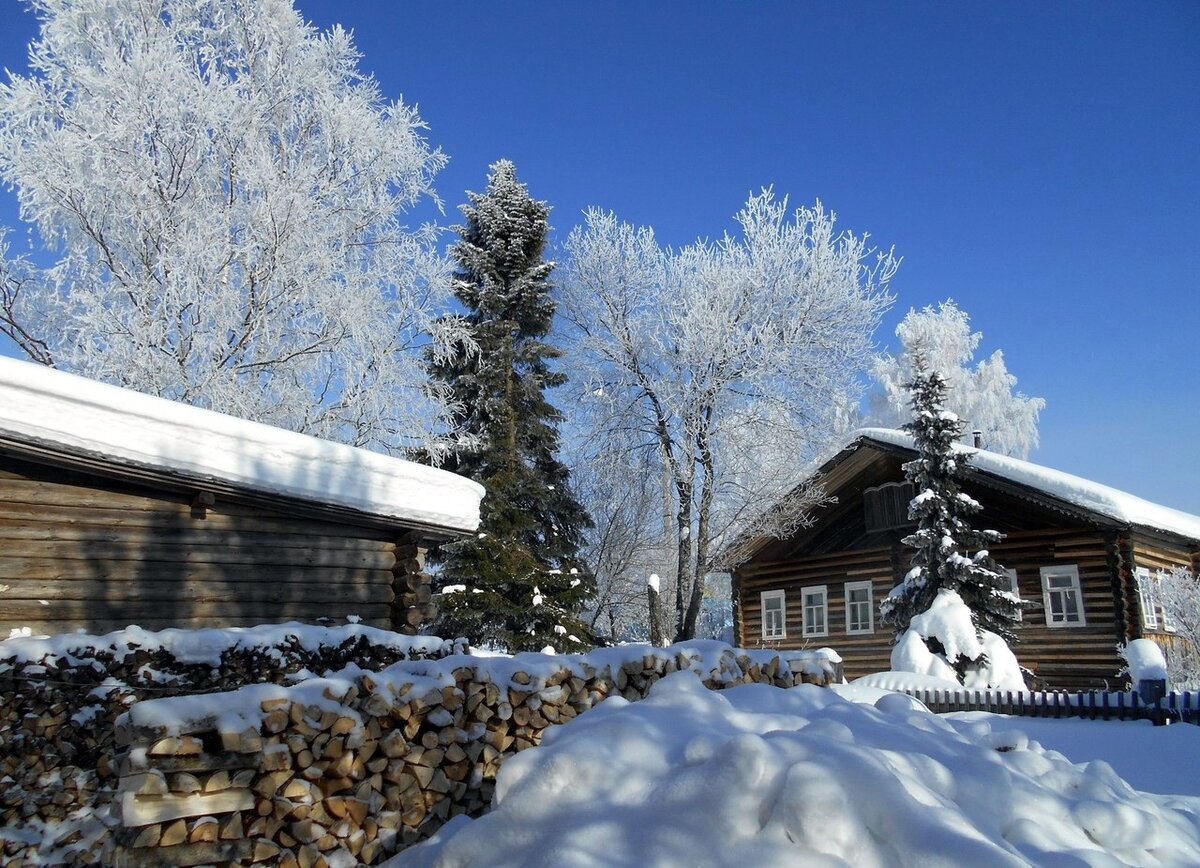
{"points": [[1068, 571], [1015, 586], [769, 635], [807, 629], [848, 588], [1168, 623], [1147, 598]]}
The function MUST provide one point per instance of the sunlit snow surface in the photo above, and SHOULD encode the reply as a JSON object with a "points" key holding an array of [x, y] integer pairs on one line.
{"points": [[1065, 486], [756, 776], [46, 407]]}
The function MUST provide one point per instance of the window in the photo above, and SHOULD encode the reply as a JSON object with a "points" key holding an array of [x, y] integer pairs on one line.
{"points": [[1062, 596], [1147, 601], [860, 617], [774, 606], [1015, 587], [814, 611], [1150, 601], [1167, 621]]}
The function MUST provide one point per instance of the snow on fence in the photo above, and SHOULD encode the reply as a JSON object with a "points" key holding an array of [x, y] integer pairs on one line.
{"points": [[1092, 704]]}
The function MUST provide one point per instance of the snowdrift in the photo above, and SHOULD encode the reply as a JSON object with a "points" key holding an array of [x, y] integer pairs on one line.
{"points": [[758, 776]]}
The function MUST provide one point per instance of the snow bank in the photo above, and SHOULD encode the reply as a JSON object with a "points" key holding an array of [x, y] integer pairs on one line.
{"points": [[759, 776], [46, 407], [206, 646], [1065, 486]]}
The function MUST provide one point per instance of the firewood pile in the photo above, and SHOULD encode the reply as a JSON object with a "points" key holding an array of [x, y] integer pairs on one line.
{"points": [[60, 698], [354, 767]]}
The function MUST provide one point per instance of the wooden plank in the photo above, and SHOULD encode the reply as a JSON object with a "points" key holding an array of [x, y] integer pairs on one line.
{"points": [[55, 502], [101, 473], [100, 624], [136, 810], [212, 554], [168, 535], [83, 611], [371, 587], [111, 570]]}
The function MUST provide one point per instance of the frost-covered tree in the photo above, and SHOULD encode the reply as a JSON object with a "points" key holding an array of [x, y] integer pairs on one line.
{"points": [[221, 191], [723, 365], [955, 604], [1179, 595], [981, 396], [523, 586]]}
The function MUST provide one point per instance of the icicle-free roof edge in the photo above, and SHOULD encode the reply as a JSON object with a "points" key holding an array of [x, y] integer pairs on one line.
{"points": [[1075, 490], [69, 414]]}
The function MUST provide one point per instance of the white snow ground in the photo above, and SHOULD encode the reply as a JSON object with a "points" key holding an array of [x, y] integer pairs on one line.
{"points": [[755, 776]]}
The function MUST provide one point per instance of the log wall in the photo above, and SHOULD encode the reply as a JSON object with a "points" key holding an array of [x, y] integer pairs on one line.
{"points": [[81, 551], [1155, 555], [1066, 657]]}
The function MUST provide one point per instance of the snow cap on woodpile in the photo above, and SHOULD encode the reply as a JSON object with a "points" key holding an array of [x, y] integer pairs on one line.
{"points": [[71, 415], [1066, 487]]}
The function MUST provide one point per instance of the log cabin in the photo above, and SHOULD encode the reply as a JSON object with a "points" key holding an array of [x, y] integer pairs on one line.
{"points": [[121, 508], [1087, 555]]}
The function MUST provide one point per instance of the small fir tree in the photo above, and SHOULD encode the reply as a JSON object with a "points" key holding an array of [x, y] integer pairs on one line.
{"points": [[944, 537], [518, 585]]}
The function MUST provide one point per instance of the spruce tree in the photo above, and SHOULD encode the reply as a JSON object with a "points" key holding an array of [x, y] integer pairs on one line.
{"points": [[517, 585], [944, 538]]}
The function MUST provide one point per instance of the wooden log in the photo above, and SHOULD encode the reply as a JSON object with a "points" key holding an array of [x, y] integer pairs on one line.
{"points": [[138, 810], [92, 533], [135, 613], [149, 552], [287, 584]]}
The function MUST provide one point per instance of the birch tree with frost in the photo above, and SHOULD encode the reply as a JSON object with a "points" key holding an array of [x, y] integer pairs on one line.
{"points": [[1178, 592], [726, 363], [982, 396], [223, 191]]}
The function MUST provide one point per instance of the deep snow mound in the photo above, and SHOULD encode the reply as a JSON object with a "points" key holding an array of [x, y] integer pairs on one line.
{"points": [[755, 775]]}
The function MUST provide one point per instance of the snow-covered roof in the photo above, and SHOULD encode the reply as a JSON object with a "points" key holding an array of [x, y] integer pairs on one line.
{"points": [[1075, 490], [68, 414]]}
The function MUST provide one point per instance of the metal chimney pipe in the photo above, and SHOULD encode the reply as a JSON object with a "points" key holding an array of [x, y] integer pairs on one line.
{"points": [[978, 437]]}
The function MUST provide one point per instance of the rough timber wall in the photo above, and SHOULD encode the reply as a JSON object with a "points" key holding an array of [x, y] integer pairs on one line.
{"points": [[80, 551], [1076, 657]]}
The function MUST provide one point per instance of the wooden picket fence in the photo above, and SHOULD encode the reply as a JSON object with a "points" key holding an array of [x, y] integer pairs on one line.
{"points": [[1177, 707]]}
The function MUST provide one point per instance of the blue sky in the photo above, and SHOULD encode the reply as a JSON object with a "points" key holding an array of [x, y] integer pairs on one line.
{"points": [[1039, 163]]}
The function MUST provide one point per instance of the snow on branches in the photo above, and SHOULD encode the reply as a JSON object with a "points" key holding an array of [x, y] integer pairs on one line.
{"points": [[724, 363], [947, 583], [982, 397], [223, 190]]}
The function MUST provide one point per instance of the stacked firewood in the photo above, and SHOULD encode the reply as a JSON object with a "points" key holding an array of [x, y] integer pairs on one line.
{"points": [[371, 763], [59, 765]]}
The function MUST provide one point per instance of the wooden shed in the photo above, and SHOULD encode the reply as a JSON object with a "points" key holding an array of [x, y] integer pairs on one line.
{"points": [[120, 508], [1087, 554]]}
